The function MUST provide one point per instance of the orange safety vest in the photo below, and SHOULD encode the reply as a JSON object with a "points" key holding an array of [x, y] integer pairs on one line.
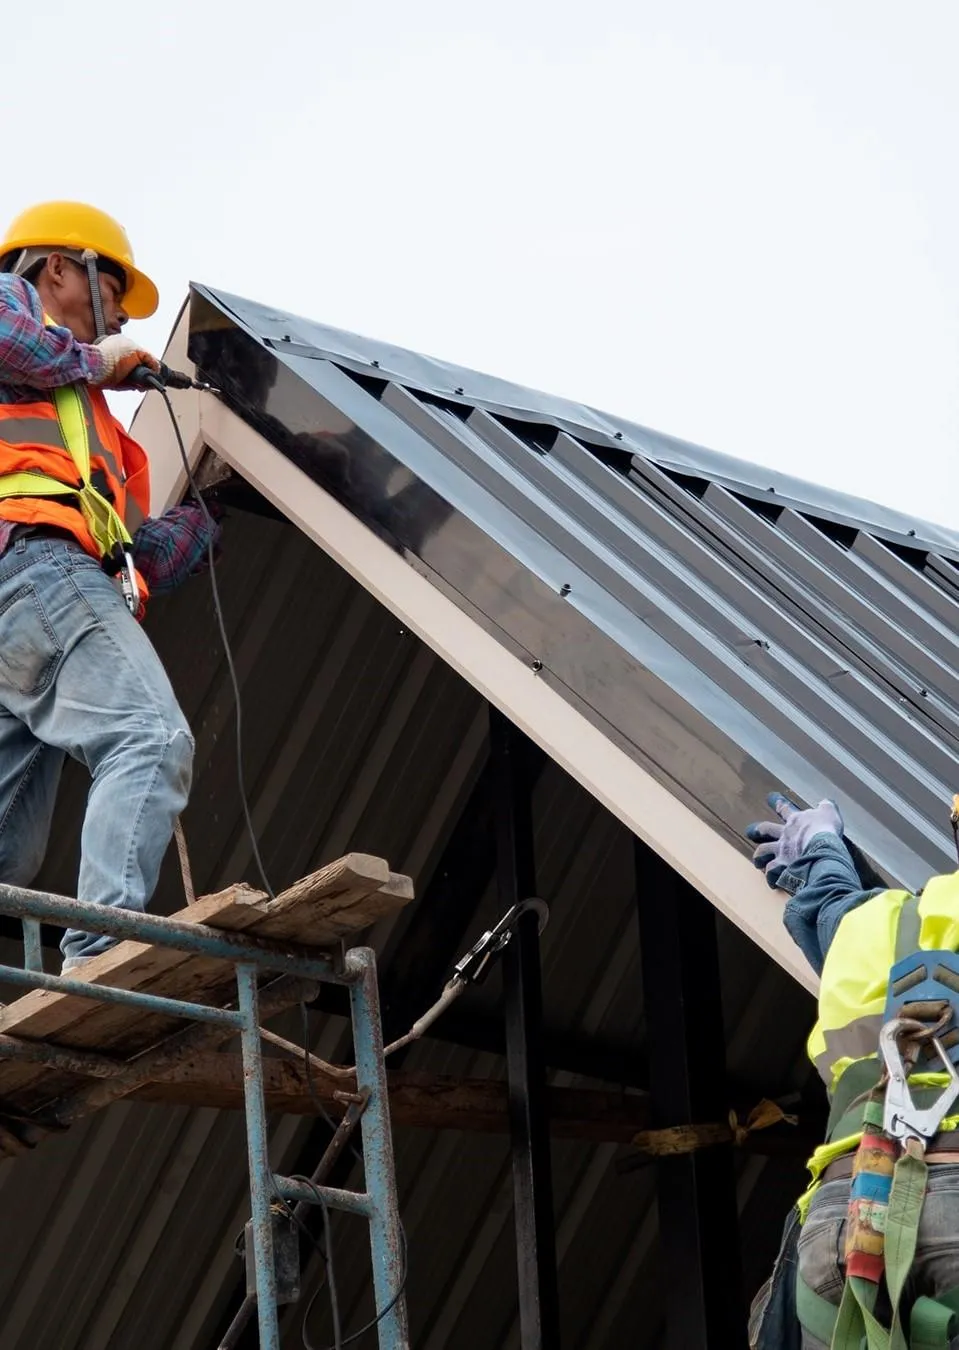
{"points": [[32, 441]]}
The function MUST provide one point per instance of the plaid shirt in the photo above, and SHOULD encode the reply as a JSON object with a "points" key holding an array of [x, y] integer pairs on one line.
{"points": [[35, 358]]}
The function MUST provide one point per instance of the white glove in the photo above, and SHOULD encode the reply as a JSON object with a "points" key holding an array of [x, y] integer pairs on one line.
{"points": [[121, 357]]}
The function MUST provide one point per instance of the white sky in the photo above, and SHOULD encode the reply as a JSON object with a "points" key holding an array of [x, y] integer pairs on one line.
{"points": [[737, 223]]}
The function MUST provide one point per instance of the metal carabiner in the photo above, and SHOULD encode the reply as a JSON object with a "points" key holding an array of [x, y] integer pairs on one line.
{"points": [[474, 965], [901, 1118], [128, 583]]}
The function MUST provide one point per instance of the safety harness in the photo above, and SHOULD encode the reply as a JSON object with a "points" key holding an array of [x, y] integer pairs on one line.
{"points": [[106, 525], [918, 1045], [104, 522]]}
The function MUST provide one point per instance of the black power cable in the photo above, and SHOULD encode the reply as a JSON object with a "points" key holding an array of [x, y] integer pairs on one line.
{"points": [[327, 1255], [224, 638]]}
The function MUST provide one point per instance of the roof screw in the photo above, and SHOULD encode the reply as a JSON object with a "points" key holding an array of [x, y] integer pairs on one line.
{"points": [[912, 534], [923, 693], [618, 435], [565, 588], [375, 363], [286, 338], [537, 664], [458, 389]]}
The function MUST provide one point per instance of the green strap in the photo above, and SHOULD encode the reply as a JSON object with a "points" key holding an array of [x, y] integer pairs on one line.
{"points": [[907, 934], [856, 1317], [930, 1324], [858, 1080], [856, 1326], [814, 1312]]}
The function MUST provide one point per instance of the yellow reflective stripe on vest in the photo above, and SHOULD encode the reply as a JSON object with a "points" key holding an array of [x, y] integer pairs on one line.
{"points": [[102, 519]]}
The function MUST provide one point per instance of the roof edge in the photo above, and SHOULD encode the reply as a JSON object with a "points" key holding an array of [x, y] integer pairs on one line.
{"points": [[294, 335]]}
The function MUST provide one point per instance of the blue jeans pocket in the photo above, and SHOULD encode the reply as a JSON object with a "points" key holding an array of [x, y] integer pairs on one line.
{"points": [[29, 650], [822, 1241]]}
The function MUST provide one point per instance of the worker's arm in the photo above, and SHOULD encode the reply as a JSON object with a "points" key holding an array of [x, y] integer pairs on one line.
{"points": [[33, 356], [803, 854], [169, 548], [823, 885]]}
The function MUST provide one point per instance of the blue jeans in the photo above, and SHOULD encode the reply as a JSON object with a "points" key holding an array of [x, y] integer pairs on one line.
{"points": [[79, 676], [936, 1267]]}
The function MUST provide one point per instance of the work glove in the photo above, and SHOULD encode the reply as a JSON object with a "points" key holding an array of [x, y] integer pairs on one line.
{"points": [[782, 841], [121, 356]]}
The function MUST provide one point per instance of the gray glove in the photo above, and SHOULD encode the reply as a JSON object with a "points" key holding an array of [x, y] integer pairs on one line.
{"points": [[780, 844]]}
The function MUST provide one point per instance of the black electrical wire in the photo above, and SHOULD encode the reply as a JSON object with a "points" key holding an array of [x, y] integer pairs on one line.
{"points": [[367, 1326], [311, 1085], [327, 1255], [224, 638]]}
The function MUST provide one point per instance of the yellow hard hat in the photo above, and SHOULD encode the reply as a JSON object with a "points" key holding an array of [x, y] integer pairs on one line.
{"points": [[77, 226]]}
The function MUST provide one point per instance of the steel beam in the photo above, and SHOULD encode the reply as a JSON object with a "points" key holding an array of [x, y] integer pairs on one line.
{"points": [[698, 1219], [526, 1073]]}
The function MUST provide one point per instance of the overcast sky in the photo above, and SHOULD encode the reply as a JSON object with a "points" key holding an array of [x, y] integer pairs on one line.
{"points": [[737, 223]]}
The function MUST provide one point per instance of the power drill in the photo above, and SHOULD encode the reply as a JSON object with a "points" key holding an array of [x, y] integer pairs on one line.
{"points": [[165, 378]]}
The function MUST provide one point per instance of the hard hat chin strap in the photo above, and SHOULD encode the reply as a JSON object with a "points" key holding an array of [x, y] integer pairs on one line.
{"points": [[29, 258], [89, 258]]}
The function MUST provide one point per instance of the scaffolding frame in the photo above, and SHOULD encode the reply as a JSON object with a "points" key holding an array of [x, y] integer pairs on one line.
{"points": [[299, 971]]}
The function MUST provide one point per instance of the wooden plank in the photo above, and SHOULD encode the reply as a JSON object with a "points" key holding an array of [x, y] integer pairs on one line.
{"points": [[427, 1101], [341, 898], [43, 1014], [352, 914], [424, 1101], [69, 1020]]}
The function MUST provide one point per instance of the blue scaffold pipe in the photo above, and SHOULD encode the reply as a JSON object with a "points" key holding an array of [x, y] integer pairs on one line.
{"points": [[386, 1235], [156, 928], [261, 1176], [131, 998], [32, 950], [352, 1202]]}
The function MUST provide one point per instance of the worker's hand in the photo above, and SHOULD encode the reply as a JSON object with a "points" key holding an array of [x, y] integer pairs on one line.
{"points": [[782, 841], [121, 356]]}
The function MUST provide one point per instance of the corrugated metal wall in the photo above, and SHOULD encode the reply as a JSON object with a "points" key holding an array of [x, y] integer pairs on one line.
{"points": [[120, 1234]]}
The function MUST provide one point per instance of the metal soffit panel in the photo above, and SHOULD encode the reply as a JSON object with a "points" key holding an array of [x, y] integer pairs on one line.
{"points": [[728, 641]]}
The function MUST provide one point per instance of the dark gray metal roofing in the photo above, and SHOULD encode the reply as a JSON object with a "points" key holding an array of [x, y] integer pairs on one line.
{"points": [[733, 639], [812, 642], [293, 335]]}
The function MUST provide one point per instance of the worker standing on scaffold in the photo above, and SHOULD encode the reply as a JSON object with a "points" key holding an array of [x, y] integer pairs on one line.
{"points": [[78, 558], [870, 1256]]}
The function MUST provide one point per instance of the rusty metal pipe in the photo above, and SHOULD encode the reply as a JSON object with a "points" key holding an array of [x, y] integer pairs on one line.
{"points": [[153, 1064]]}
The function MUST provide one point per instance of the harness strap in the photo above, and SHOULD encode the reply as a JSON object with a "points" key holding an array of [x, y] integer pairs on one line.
{"points": [[932, 1322], [102, 519], [907, 934]]}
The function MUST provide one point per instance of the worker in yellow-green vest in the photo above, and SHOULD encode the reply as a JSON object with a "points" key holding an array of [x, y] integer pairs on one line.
{"points": [[870, 1255], [79, 556]]}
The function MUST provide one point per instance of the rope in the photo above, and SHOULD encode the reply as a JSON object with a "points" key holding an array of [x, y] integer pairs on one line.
{"points": [[186, 871]]}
